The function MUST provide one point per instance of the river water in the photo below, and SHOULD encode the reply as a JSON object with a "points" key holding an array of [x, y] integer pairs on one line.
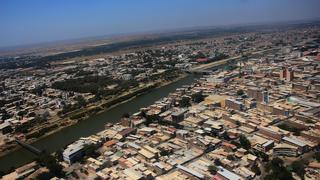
{"points": [[90, 126]]}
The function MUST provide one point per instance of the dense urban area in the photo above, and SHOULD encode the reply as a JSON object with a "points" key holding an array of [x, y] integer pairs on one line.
{"points": [[257, 116]]}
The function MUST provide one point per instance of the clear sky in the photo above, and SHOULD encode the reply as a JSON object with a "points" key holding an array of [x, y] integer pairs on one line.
{"points": [[35, 21]]}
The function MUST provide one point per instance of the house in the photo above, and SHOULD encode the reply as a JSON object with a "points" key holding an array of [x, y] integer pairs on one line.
{"points": [[285, 150], [190, 171], [178, 116], [73, 152], [227, 175], [127, 131], [5, 128], [302, 147]]}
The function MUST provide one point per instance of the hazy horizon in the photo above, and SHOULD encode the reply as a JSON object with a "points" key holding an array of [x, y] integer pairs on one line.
{"points": [[35, 22]]}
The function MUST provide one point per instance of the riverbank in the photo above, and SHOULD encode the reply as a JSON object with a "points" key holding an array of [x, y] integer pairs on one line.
{"points": [[103, 106]]}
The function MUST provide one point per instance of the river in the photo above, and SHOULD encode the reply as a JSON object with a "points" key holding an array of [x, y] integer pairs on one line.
{"points": [[90, 126]]}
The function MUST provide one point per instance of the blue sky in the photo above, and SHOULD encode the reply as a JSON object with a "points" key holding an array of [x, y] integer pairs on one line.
{"points": [[35, 21]]}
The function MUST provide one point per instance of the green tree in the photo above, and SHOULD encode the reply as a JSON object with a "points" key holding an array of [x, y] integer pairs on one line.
{"points": [[225, 136], [90, 150], [277, 171], [58, 155], [230, 157], [38, 90], [240, 92], [245, 143], [165, 152], [255, 168], [44, 176], [317, 156], [298, 167], [264, 157], [238, 123], [55, 169], [217, 162], [287, 127], [184, 102], [81, 101], [150, 119], [22, 113], [213, 169], [197, 97], [235, 143]]}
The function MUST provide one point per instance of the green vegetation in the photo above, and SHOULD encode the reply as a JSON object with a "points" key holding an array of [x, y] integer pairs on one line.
{"points": [[245, 143], [127, 96], [41, 132], [168, 75], [230, 67], [22, 113], [255, 168], [184, 102], [309, 120], [264, 157], [97, 86], [44, 176], [225, 136], [90, 150], [166, 152], [218, 56], [298, 167], [93, 84], [5, 114], [58, 155], [217, 162], [213, 169], [240, 92], [38, 90], [231, 157], [69, 108], [287, 127], [238, 123], [317, 156], [81, 102], [198, 55], [150, 119], [78, 116], [55, 169], [197, 97], [236, 143], [277, 171]]}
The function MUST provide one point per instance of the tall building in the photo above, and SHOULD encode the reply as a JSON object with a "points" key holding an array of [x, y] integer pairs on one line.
{"points": [[283, 73], [289, 75], [265, 96], [286, 74], [258, 94], [233, 104]]}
